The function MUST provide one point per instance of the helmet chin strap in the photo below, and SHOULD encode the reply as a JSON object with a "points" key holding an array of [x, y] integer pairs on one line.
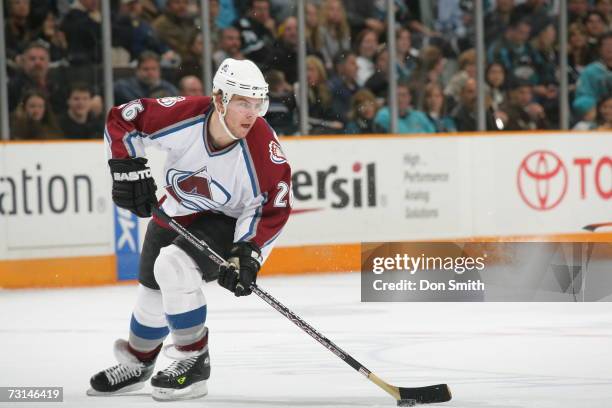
{"points": [[223, 124]]}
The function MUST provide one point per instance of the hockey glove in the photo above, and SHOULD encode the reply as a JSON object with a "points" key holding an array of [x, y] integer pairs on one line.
{"points": [[241, 271], [133, 185]]}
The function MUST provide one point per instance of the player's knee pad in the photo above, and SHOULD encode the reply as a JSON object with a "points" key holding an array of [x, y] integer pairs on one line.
{"points": [[149, 308], [175, 271]]}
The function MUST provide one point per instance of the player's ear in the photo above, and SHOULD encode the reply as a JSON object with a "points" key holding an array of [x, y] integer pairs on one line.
{"points": [[217, 98]]}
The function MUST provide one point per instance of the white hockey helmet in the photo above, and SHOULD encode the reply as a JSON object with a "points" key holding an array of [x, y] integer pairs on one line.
{"points": [[241, 77]]}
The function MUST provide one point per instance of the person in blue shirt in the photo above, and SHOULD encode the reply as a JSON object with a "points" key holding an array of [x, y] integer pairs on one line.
{"points": [[409, 121], [596, 79]]}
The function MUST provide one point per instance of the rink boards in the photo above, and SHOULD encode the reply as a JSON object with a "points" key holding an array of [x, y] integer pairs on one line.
{"points": [[58, 226]]}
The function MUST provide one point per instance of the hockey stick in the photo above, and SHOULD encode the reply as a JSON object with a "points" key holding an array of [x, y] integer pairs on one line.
{"points": [[593, 227], [405, 397]]}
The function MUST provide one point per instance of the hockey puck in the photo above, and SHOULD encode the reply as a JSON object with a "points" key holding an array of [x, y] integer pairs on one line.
{"points": [[406, 403]]}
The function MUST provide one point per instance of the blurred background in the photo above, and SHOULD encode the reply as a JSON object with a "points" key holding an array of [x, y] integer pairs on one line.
{"points": [[454, 65]]}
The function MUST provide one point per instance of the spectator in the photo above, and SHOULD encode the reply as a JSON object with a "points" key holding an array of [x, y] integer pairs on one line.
{"points": [[605, 113], [378, 83], [434, 107], [605, 8], [227, 14], [497, 20], [405, 17], [585, 108], [409, 121], [176, 27], [523, 113], [132, 32], [534, 12], [495, 77], [229, 46], [257, 30], [334, 31], [450, 19], [344, 84], [596, 79], [595, 25], [455, 25], [17, 31], [546, 88], [283, 55], [320, 116], [429, 70], [366, 44], [576, 54], [191, 63], [51, 34], [544, 45], [150, 10], [83, 29], [214, 9], [33, 120], [515, 53], [362, 15], [39, 10], [281, 112], [34, 74], [313, 37], [467, 69], [577, 10], [407, 57], [280, 10], [191, 85], [363, 111], [464, 114], [147, 82], [79, 122]]}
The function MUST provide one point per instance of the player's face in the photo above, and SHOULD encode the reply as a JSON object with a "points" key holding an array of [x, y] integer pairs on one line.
{"points": [[241, 114]]}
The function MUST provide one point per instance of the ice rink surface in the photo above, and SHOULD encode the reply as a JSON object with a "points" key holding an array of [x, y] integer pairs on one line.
{"points": [[502, 355]]}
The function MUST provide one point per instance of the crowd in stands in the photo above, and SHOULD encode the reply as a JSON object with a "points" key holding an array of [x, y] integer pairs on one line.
{"points": [[54, 55]]}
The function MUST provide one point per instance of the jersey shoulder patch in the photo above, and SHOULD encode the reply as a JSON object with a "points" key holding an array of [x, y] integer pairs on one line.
{"points": [[277, 156]]}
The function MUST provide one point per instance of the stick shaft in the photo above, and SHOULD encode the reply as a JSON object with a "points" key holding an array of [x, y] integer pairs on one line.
{"points": [[282, 309]]}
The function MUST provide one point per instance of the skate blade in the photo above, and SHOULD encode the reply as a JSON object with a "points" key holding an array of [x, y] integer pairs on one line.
{"points": [[195, 390], [134, 387]]}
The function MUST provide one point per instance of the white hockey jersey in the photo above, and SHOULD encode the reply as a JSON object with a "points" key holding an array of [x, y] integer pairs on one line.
{"points": [[250, 180]]}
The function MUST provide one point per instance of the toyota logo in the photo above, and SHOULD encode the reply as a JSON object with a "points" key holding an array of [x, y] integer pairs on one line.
{"points": [[542, 180]]}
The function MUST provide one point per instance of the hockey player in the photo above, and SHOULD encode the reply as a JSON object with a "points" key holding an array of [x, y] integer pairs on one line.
{"points": [[226, 180]]}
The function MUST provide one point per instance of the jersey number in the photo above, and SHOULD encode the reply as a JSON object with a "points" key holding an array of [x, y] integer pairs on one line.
{"points": [[280, 200], [131, 110]]}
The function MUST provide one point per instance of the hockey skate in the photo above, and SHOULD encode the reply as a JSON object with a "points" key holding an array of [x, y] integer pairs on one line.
{"points": [[129, 375], [185, 377]]}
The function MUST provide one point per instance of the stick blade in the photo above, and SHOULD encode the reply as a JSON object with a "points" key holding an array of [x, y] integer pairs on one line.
{"points": [[426, 395]]}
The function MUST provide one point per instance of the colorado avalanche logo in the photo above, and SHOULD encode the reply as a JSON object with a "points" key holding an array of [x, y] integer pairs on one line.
{"points": [[276, 153], [170, 100], [196, 190]]}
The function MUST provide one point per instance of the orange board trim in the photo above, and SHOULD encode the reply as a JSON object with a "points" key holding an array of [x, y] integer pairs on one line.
{"points": [[311, 259]]}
